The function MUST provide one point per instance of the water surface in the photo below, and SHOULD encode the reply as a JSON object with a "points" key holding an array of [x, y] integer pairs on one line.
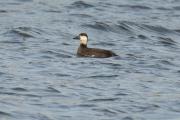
{"points": [[43, 79]]}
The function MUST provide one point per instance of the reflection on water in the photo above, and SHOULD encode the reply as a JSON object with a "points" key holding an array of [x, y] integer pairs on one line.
{"points": [[43, 79]]}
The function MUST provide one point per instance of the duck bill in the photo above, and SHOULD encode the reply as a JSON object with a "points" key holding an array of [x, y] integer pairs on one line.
{"points": [[77, 37]]}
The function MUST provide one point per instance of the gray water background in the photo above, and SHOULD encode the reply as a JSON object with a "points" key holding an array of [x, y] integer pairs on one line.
{"points": [[41, 78]]}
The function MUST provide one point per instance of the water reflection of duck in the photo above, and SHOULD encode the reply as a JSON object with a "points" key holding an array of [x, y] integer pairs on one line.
{"points": [[84, 51]]}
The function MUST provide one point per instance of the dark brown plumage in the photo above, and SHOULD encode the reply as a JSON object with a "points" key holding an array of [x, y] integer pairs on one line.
{"points": [[84, 51], [94, 52]]}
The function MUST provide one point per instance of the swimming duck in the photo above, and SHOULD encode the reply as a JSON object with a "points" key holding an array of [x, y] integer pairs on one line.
{"points": [[84, 51]]}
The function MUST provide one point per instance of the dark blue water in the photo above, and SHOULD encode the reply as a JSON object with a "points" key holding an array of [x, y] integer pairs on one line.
{"points": [[41, 78]]}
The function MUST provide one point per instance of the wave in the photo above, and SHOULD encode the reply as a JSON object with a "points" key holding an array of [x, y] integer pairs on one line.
{"points": [[135, 7], [61, 53], [80, 4], [104, 99], [27, 32], [3, 11], [167, 41], [130, 27], [19, 89], [2, 113]]}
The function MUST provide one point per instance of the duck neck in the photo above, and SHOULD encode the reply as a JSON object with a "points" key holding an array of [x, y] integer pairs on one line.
{"points": [[83, 46]]}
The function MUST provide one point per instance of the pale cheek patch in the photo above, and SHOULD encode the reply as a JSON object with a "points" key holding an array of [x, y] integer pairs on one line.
{"points": [[83, 40]]}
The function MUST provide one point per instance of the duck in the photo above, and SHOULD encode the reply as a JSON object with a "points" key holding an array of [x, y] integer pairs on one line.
{"points": [[84, 51]]}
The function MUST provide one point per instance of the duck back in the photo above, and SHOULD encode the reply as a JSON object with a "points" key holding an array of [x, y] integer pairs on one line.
{"points": [[94, 52]]}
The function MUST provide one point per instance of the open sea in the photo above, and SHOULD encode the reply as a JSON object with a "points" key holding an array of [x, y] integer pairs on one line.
{"points": [[41, 78]]}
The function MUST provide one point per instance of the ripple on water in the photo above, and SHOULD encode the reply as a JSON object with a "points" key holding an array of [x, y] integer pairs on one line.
{"points": [[127, 118], [104, 99], [19, 89], [106, 111], [2, 73], [176, 8], [143, 108], [135, 7], [3, 11], [87, 105], [104, 44], [99, 26], [102, 76], [25, 32], [32, 116], [158, 29], [132, 27], [125, 26], [82, 15], [22, 31], [8, 93], [166, 62], [80, 5], [120, 27], [128, 27], [143, 37], [52, 89], [163, 8], [25, 0], [177, 30], [175, 107], [167, 41], [62, 75], [60, 53], [4, 114], [53, 11], [121, 94]]}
